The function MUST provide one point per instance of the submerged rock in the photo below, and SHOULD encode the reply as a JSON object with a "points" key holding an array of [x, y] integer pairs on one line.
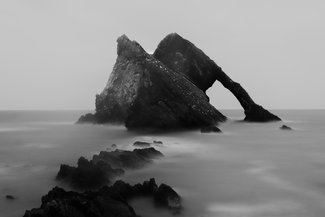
{"points": [[210, 129], [285, 127], [142, 144], [143, 93], [87, 118], [10, 197], [88, 174], [185, 58], [128, 159], [106, 202], [98, 171]]}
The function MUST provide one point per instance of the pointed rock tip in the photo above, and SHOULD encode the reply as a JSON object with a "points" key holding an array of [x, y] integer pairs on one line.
{"points": [[127, 47], [173, 35], [171, 42]]}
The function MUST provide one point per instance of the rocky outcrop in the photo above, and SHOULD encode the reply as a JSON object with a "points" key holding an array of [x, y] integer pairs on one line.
{"points": [[210, 129], [185, 58], [106, 202], [128, 159], [103, 167], [285, 127], [88, 174], [143, 93], [88, 118]]}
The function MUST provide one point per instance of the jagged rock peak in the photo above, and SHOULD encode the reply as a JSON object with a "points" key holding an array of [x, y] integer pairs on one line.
{"points": [[182, 56], [128, 48]]}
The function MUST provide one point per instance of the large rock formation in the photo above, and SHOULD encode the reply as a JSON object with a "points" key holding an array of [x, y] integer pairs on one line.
{"points": [[185, 58], [167, 89], [143, 93], [106, 202]]}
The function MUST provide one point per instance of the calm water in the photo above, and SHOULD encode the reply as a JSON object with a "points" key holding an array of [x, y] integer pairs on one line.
{"points": [[249, 170]]}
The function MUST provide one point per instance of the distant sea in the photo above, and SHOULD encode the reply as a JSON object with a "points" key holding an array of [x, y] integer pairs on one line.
{"points": [[251, 169]]}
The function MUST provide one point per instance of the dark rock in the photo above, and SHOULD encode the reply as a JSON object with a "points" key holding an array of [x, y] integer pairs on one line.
{"points": [[141, 144], [88, 174], [10, 197], [285, 127], [185, 58], [143, 93], [167, 197], [210, 129], [60, 203], [254, 112], [106, 202], [128, 159], [157, 142], [98, 171], [87, 118]]}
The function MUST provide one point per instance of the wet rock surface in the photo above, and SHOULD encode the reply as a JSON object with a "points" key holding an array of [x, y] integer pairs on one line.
{"points": [[106, 202]]}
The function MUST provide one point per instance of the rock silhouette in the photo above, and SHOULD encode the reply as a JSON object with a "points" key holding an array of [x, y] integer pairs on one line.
{"points": [[143, 93], [106, 202], [185, 58], [210, 129], [104, 167], [166, 90], [285, 127], [88, 174]]}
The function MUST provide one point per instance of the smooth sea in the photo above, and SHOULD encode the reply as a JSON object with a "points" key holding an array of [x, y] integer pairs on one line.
{"points": [[249, 170]]}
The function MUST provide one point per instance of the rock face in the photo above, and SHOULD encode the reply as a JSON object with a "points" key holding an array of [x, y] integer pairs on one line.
{"points": [[106, 202], [185, 58], [143, 93], [99, 171]]}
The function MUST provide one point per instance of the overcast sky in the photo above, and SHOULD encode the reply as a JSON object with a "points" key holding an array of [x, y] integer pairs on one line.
{"points": [[57, 54]]}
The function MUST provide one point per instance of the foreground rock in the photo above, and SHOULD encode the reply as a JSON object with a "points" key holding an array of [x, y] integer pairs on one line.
{"points": [[99, 171], [106, 202], [143, 93], [185, 58]]}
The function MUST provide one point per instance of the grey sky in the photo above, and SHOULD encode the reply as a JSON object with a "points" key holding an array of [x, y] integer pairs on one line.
{"points": [[58, 54]]}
